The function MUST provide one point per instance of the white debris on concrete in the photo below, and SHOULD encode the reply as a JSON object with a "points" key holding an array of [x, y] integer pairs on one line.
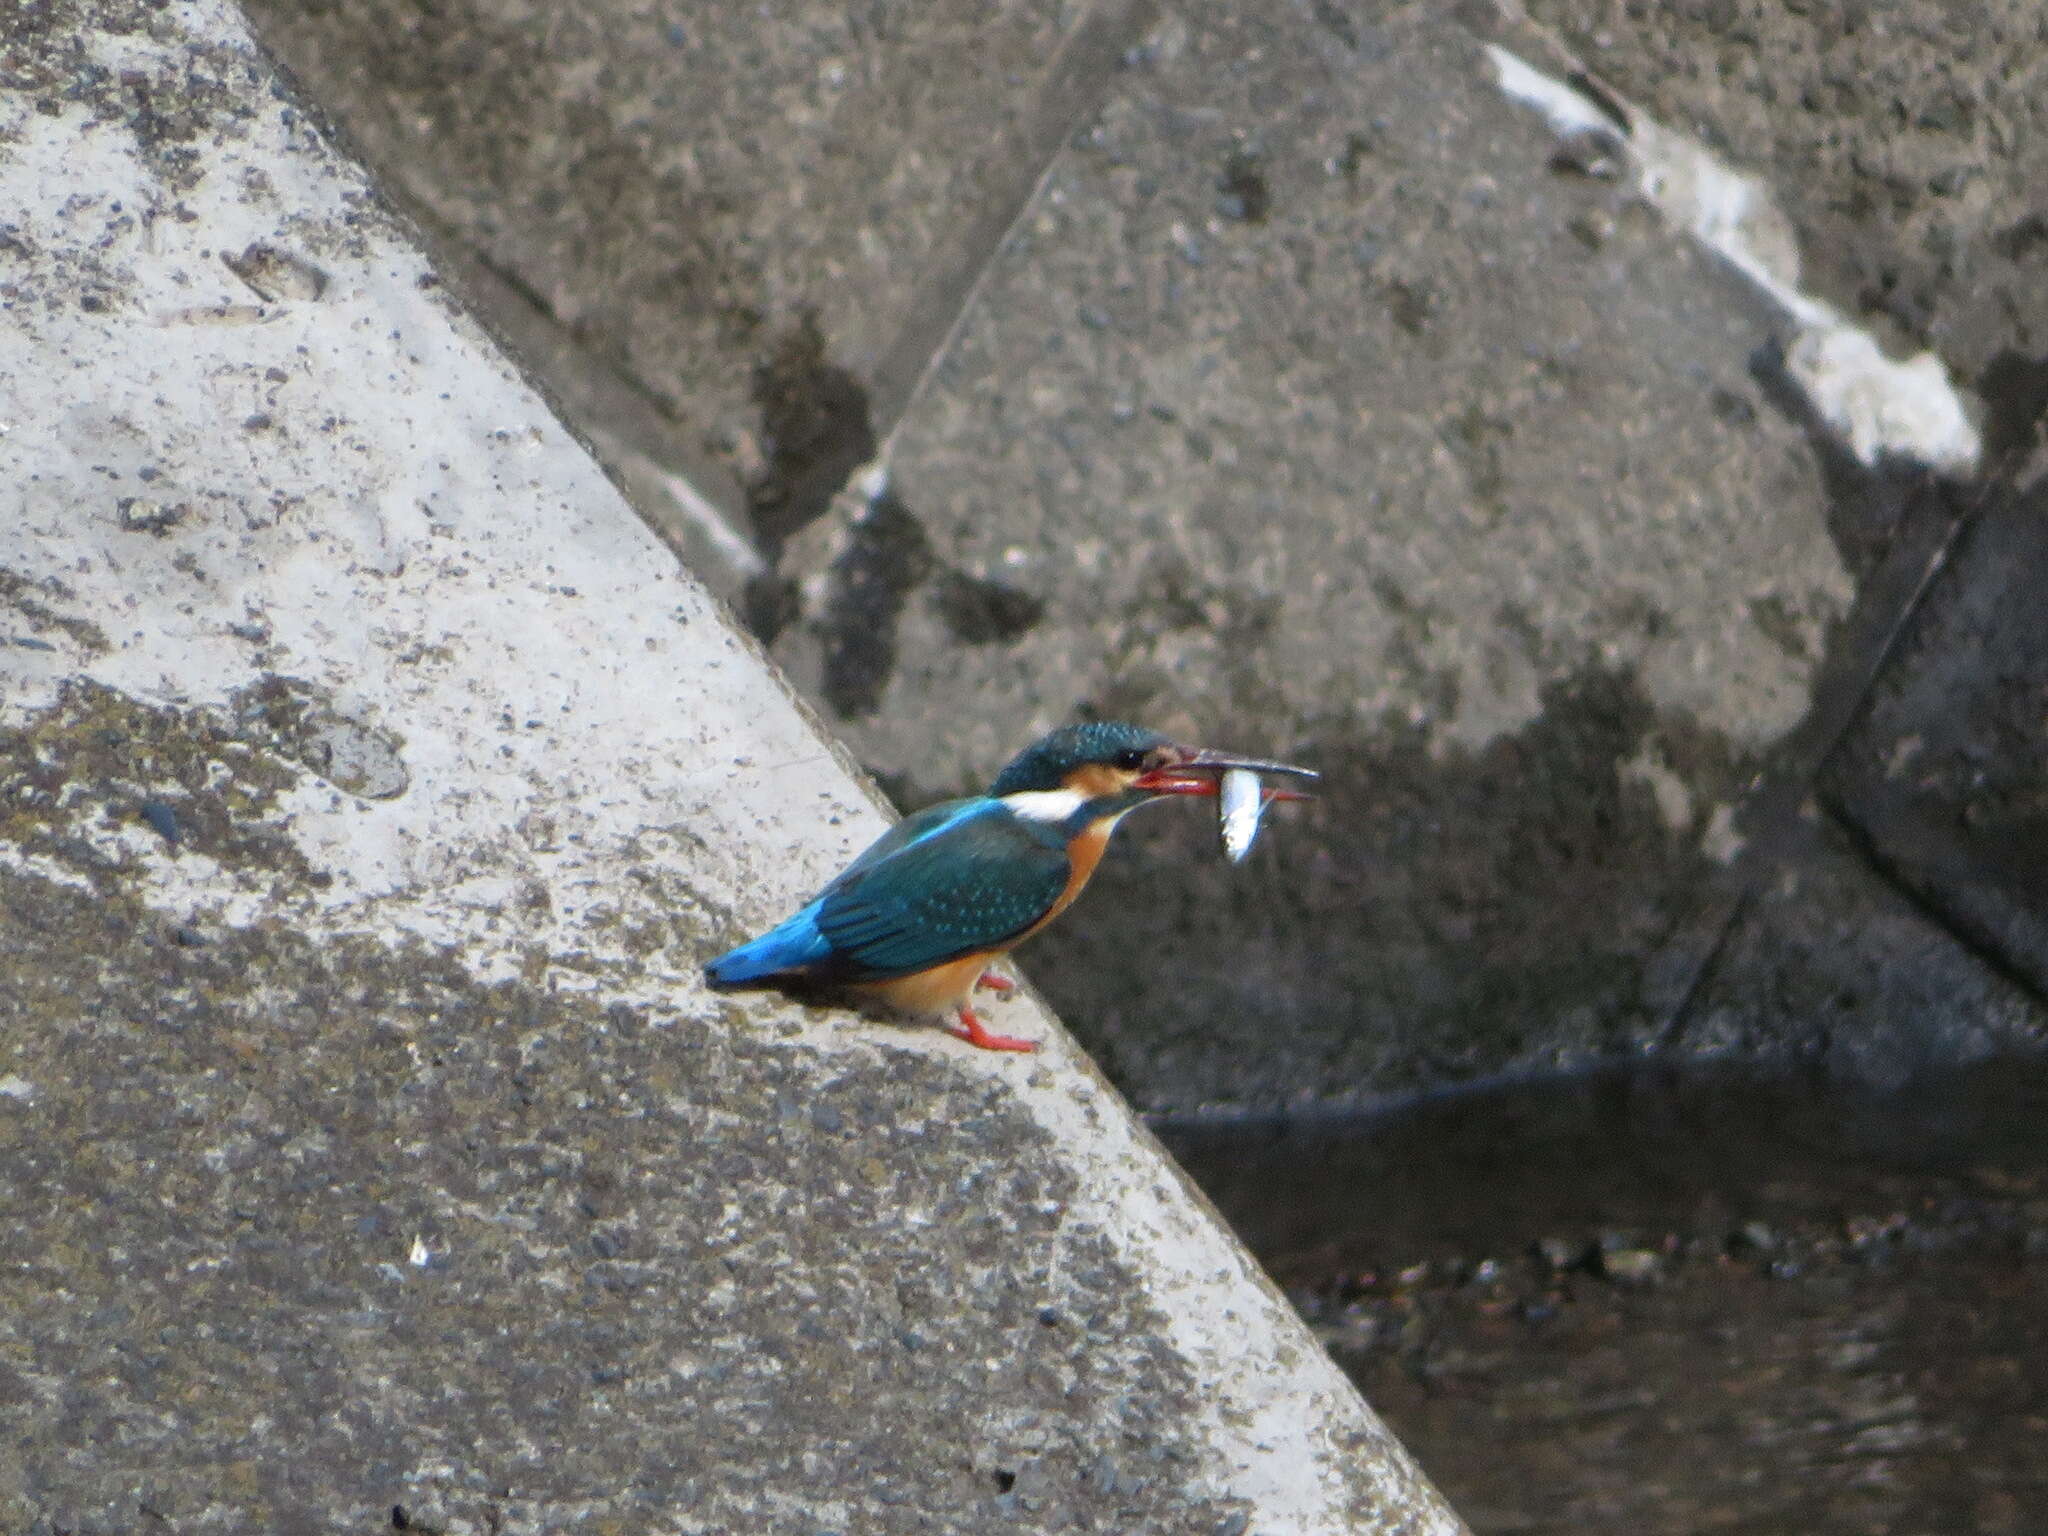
{"points": [[1876, 405], [705, 531], [343, 487], [1568, 109]]}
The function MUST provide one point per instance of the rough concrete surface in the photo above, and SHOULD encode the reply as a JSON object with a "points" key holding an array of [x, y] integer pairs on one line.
{"points": [[696, 193], [1829, 968], [1942, 776], [372, 786], [1909, 142], [1318, 402]]}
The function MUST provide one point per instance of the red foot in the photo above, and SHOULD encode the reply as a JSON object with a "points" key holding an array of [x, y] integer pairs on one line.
{"points": [[1002, 986], [970, 1029]]}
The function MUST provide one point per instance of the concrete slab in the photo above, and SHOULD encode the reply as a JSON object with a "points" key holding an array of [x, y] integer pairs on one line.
{"points": [[1828, 968], [1313, 410], [374, 785], [764, 220], [1941, 776]]}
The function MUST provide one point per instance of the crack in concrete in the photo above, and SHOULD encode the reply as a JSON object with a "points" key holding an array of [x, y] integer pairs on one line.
{"points": [[1865, 645], [1073, 86], [1976, 926]]}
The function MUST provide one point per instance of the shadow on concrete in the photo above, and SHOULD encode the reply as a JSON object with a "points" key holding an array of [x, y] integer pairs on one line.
{"points": [[1459, 909], [1942, 777]]}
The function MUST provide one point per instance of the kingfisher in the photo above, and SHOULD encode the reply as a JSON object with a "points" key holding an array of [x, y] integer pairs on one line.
{"points": [[915, 921]]}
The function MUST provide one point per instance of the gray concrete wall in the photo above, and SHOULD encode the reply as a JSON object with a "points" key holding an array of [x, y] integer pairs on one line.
{"points": [[372, 786]]}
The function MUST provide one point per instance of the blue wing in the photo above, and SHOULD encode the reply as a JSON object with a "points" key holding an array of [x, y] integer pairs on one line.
{"points": [[979, 877], [950, 880]]}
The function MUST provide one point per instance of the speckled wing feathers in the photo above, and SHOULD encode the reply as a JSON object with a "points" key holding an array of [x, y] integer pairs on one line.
{"points": [[975, 883]]}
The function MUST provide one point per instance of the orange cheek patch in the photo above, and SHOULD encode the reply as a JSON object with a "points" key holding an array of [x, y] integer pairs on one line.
{"points": [[1093, 779]]}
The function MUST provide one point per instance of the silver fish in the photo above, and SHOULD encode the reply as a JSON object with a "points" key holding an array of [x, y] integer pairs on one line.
{"points": [[1240, 801]]}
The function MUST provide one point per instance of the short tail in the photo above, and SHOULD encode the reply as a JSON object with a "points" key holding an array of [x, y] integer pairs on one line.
{"points": [[790, 950]]}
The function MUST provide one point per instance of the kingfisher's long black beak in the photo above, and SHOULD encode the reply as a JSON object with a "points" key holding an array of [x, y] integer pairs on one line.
{"points": [[1200, 772]]}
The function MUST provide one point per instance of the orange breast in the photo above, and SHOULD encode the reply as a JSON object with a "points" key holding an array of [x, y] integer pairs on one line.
{"points": [[1083, 854]]}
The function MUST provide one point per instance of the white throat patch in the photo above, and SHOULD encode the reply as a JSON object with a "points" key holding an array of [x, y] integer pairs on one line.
{"points": [[1048, 805]]}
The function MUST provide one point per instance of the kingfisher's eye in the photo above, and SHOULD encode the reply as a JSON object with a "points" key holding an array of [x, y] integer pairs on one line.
{"points": [[1131, 762]]}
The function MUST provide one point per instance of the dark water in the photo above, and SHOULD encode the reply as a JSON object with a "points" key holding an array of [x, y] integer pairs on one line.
{"points": [[1653, 1304]]}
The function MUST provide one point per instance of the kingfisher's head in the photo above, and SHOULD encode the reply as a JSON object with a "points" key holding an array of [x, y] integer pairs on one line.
{"points": [[1080, 773], [1101, 757]]}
